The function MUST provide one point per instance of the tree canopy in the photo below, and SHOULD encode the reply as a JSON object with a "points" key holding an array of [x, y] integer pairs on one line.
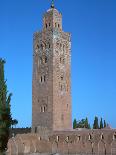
{"points": [[5, 114], [81, 124], [96, 123], [84, 123]]}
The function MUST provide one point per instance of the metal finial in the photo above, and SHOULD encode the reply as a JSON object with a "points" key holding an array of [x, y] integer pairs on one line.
{"points": [[52, 5]]}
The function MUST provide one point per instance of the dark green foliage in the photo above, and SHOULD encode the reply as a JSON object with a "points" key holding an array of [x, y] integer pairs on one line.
{"points": [[101, 124], [104, 124], [87, 125], [96, 124], [14, 122], [80, 124], [74, 124], [5, 115], [83, 124]]}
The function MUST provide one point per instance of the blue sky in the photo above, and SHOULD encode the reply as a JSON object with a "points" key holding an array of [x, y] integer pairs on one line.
{"points": [[92, 24]]}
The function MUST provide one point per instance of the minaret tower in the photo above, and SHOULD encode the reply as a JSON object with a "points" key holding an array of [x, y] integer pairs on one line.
{"points": [[51, 106]]}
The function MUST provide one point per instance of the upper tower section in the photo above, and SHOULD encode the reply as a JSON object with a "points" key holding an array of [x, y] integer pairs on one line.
{"points": [[52, 19]]}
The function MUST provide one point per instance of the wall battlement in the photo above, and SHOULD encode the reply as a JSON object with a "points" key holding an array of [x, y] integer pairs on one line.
{"points": [[86, 142]]}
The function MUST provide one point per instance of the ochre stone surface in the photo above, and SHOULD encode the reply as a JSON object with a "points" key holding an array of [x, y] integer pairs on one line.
{"points": [[65, 142], [52, 131], [51, 75]]}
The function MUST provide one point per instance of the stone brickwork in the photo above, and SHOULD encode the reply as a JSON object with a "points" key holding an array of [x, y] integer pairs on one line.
{"points": [[86, 142], [51, 75], [52, 131]]}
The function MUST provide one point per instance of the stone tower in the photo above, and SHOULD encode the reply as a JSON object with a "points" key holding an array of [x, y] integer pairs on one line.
{"points": [[51, 107]]}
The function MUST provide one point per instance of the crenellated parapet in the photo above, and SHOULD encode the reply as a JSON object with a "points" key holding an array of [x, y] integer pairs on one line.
{"points": [[102, 142]]}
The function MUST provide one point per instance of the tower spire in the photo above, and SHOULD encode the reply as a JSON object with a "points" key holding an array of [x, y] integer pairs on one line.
{"points": [[52, 5]]}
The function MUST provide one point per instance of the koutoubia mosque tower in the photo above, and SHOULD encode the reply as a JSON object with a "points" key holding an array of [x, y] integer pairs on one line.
{"points": [[52, 132], [52, 75]]}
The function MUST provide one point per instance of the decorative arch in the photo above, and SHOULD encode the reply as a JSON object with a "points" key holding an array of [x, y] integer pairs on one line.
{"points": [[102, 148], [113, 148], [90, 137], [26, 147], [54, 147], [89, 147], [102, 136], [37, 46], [43, 108], [114, 136]]}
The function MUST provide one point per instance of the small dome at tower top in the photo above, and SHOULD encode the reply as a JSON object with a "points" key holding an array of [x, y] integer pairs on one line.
{"points": [[53, 9], [49, 10]]}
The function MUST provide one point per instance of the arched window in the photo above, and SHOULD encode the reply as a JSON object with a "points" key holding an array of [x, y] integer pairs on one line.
{"points": [[67, 138], [41, 46], [49, 45], [114, 136], [44, 109], [55, 24], [37, 46], [62, 78], [79, 138], [46, 25], [41, 78], [57, 138], [102, 136], [58, 25], [49, 24], [39, 138]]}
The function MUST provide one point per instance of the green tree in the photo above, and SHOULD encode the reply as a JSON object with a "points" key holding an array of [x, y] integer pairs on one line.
{"points": [[101, 124], [5, 114], [83, 124], [96, 124], [104, 124], [75, 124], [87, 125], [14, 122]]}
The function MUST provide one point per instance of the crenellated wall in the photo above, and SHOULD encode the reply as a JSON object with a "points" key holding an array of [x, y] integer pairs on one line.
{"points": [[86, 142]]}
